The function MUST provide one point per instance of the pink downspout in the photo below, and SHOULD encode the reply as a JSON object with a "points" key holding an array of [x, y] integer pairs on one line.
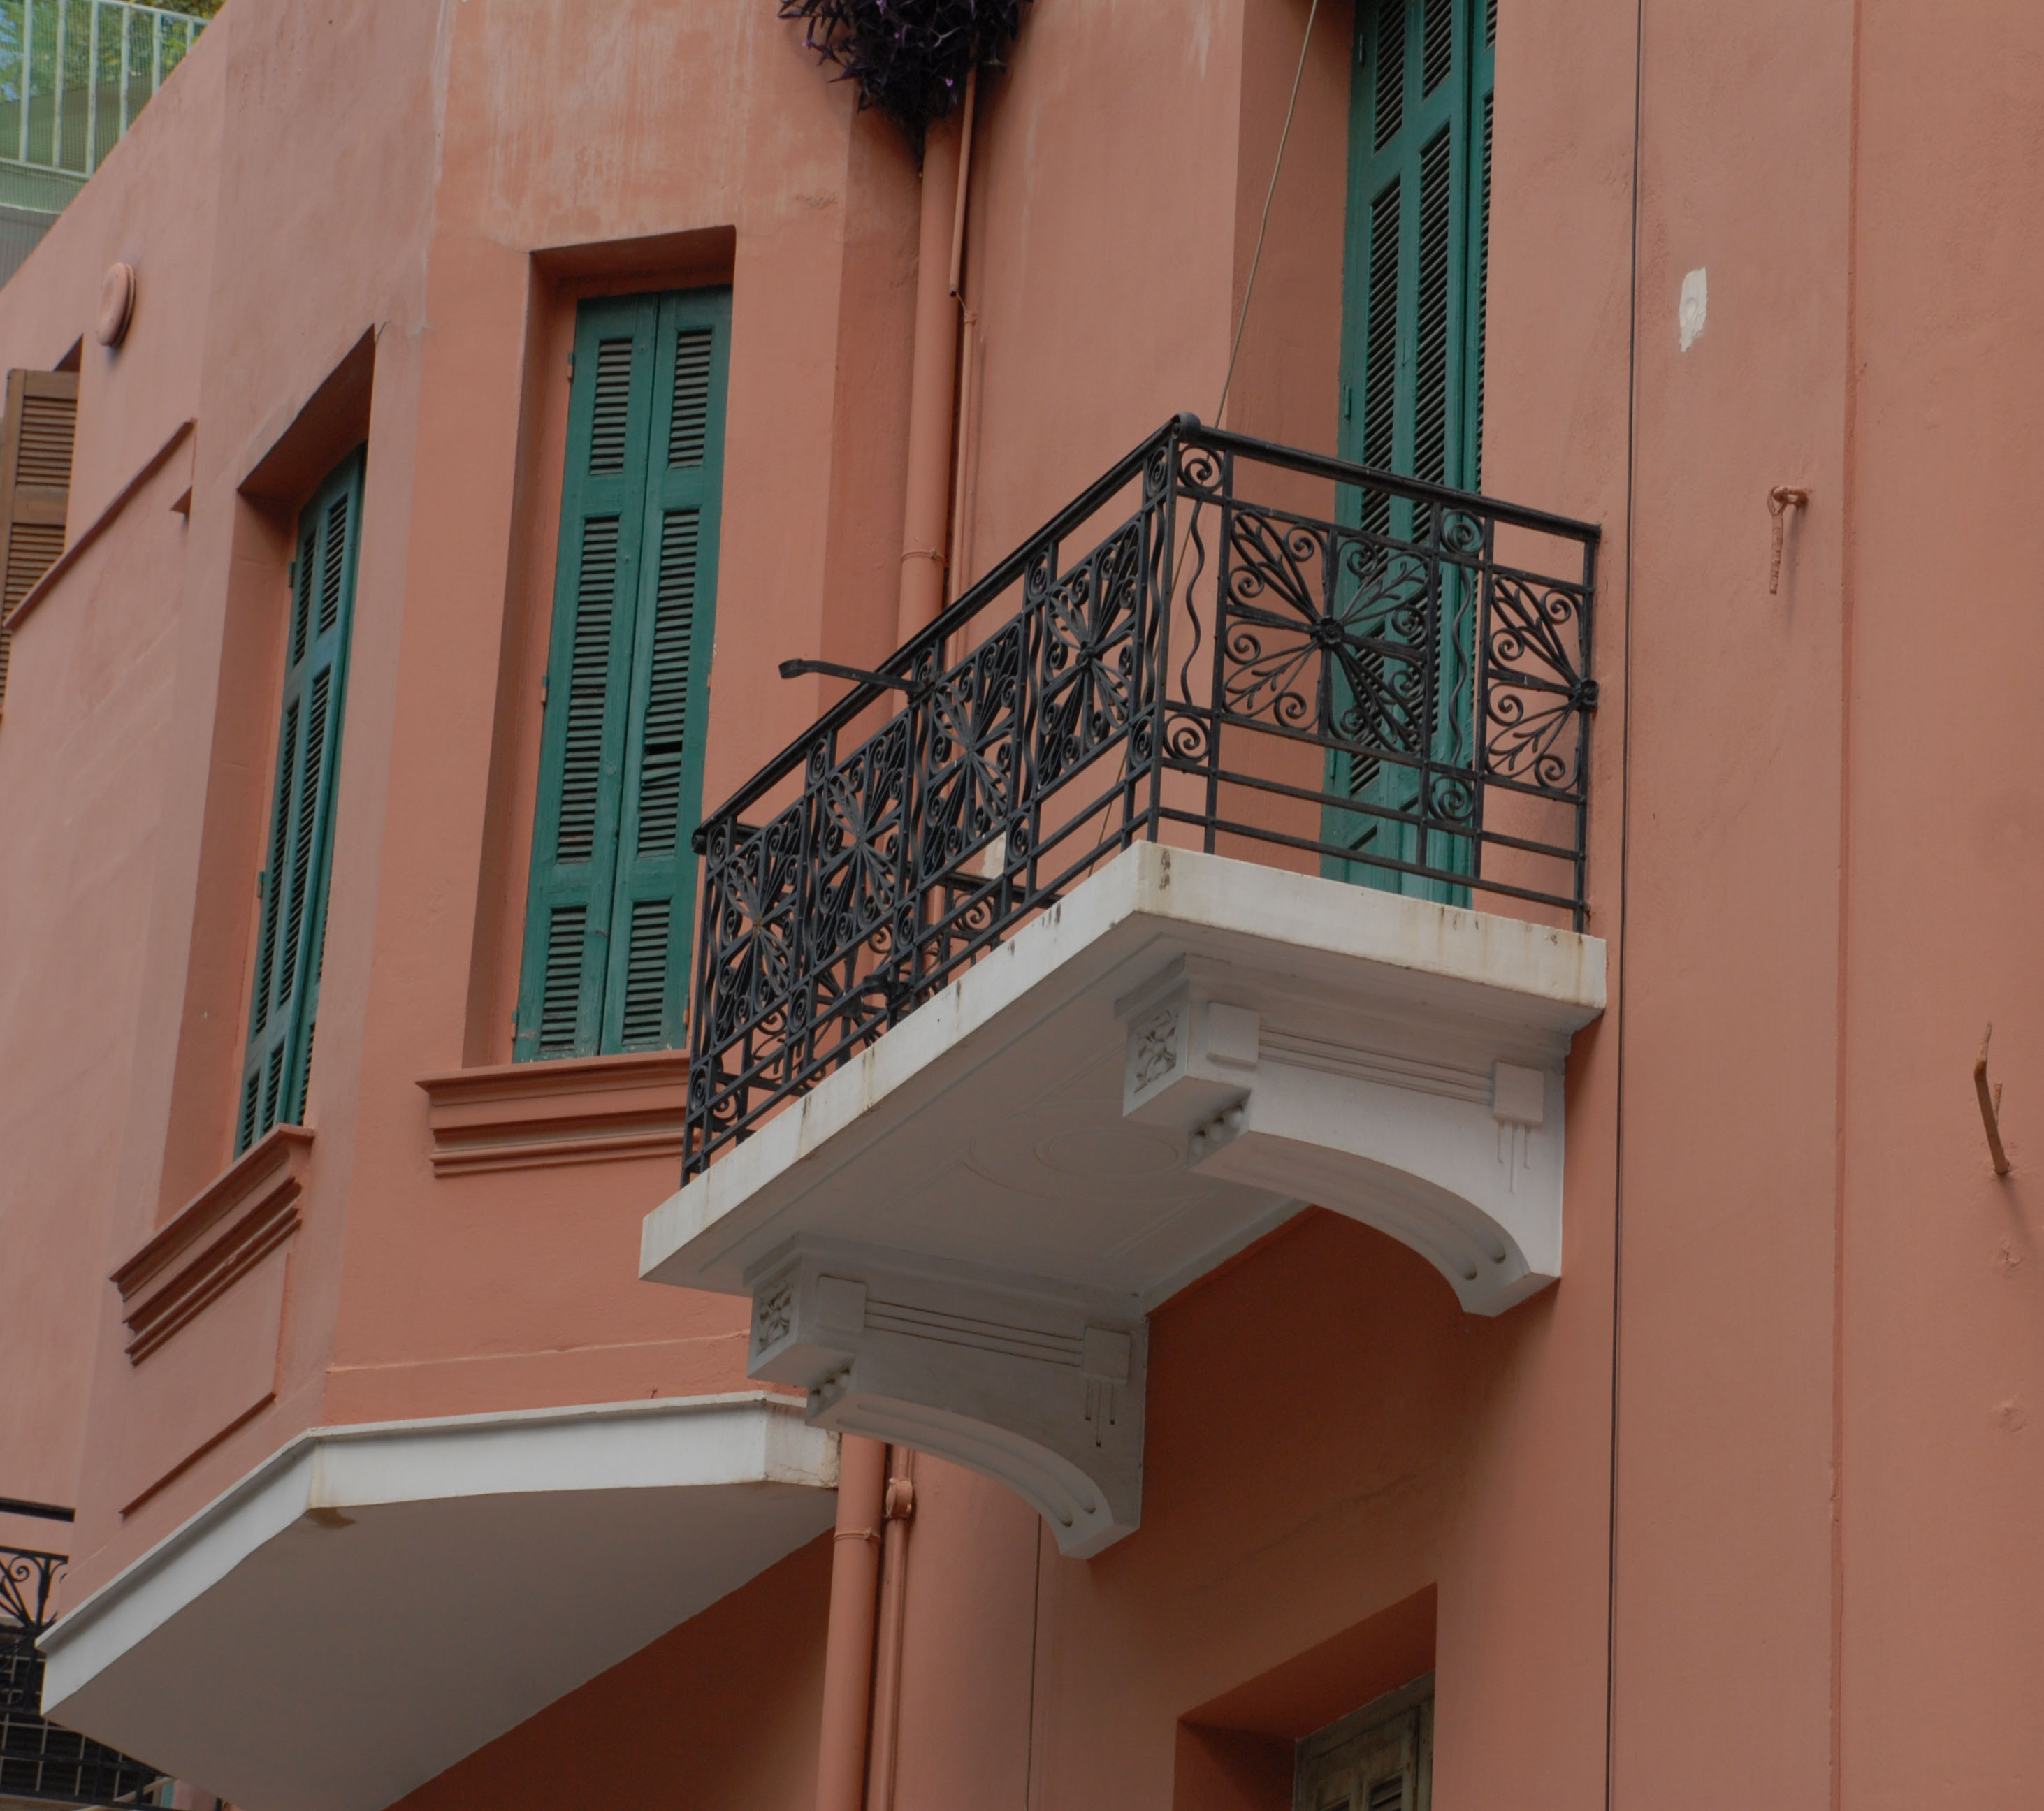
{"points": [[861, 1476], [900, 1505], [925, 524], [968, 363]]}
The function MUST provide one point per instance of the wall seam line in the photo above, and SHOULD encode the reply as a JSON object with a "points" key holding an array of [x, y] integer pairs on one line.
{"points": [[1624, 916]]}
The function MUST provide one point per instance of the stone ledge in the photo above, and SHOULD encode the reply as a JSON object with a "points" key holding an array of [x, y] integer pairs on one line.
{"points": [[215, 1239], [532, 1115]]}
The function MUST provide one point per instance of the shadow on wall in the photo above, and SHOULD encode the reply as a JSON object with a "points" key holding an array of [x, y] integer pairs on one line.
{"points": [[1236, 1752]]}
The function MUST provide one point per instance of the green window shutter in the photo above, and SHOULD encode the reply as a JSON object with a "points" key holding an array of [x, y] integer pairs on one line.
{"points": [[290, 931], [1419, 137], [610, 906]]}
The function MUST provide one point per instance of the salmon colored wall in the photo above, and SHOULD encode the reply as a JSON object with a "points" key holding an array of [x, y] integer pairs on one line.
{"points": [[1306, 1544], [1940, 1613], [1103, 203], [90, 715], [1287, 382], [1814, 842], [719, 1714], [1731, 1015], [443, 213]]}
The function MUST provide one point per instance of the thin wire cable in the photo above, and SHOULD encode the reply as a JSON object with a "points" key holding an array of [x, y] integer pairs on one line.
{"points": [[1270, 195], [1242, 321], [1235, 352]]}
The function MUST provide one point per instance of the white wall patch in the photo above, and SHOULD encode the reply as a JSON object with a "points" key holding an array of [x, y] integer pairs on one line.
{"points": [[1695, 304]]}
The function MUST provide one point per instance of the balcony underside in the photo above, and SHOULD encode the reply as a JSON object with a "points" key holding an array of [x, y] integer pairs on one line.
{"points": [[374, 1603], [954, 1240]]}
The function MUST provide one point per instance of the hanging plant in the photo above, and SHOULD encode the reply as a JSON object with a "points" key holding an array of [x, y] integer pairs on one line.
{"points": [[910, 58]]}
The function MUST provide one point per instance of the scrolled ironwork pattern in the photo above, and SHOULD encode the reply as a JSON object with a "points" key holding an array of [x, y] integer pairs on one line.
{"points": [[1370, 689], [38, 1759]]}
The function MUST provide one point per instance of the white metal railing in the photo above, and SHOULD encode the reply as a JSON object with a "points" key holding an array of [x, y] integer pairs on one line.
{"points": [[74, 73]]}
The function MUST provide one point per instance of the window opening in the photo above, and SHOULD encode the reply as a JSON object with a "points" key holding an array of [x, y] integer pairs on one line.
{"points": [[1418, 243], [1380, 1757], [291, 929], [611, 904]]}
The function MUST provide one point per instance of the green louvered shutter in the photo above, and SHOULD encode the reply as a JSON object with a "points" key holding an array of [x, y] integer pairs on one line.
{"points": [[290, 936], [1419, 137], [610, 906]]}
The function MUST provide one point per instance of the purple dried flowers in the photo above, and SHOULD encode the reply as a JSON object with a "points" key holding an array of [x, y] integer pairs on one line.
{"points": [[910, 58]]}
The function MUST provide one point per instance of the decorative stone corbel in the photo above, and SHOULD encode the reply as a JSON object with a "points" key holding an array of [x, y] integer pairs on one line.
{"points": [[1043, 1391], [1462, 1166]]}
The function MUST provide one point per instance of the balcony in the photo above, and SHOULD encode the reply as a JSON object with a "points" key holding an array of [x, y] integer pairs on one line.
{"points": [[41, 1762], [463, 1572], [1127, 911]]}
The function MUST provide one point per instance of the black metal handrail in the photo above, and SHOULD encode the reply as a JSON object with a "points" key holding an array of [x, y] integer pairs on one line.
{"points": [[38, 1759], [1359, 674]]}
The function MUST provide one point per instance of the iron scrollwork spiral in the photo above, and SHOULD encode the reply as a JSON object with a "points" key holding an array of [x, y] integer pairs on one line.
{"points": [[1214, 667]]}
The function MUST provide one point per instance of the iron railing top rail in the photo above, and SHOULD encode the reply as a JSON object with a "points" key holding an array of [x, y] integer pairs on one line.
{"points": [[1355, 673], [1186, 429]]}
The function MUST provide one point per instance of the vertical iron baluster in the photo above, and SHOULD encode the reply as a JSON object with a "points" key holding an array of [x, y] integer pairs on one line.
{"points": [[1586, 679], [1216, 694], [805, 1034], [1425, 523], [1480, 678], [1159, 573]]}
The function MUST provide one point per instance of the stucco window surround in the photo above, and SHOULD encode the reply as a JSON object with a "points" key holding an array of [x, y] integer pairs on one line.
{"points": [[492, 1114], [954, 1242], [302, 441]]}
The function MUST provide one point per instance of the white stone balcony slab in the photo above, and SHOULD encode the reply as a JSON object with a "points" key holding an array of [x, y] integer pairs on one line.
{"points": [[373, 1603], [953, 1242]]}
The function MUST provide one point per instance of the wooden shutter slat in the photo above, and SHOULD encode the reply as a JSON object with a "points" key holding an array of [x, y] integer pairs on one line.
{"points": [[610, 907], [1380, 1757], [37, 436], [653, 912], [581, 752]]}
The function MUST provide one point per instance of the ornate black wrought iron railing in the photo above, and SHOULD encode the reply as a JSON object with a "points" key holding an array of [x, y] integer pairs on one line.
{"points": [[38, 1759], [1262, 653]]}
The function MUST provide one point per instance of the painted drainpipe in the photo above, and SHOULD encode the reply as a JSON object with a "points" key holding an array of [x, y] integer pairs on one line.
{"points": [[861, 1476], [933, 379]]}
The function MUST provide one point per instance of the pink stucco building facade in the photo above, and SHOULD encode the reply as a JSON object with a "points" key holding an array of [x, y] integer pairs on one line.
{"points": [[1322, 1149]]}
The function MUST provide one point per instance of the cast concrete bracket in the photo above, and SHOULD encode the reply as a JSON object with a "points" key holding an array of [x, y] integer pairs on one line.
{"points": [[953, 1240], [1041, 1389]]}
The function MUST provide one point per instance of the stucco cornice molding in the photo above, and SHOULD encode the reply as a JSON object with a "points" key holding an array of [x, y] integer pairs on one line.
{"points": [[219, 1236], [535, 1115]]}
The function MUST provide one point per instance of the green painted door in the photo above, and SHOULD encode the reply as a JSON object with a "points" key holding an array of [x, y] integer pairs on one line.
{"points": [[1412, 401], [611, 904], [291, 932]]}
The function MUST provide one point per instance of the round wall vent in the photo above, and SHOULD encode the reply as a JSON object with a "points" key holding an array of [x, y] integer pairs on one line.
{"points": [[117, 303]]}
